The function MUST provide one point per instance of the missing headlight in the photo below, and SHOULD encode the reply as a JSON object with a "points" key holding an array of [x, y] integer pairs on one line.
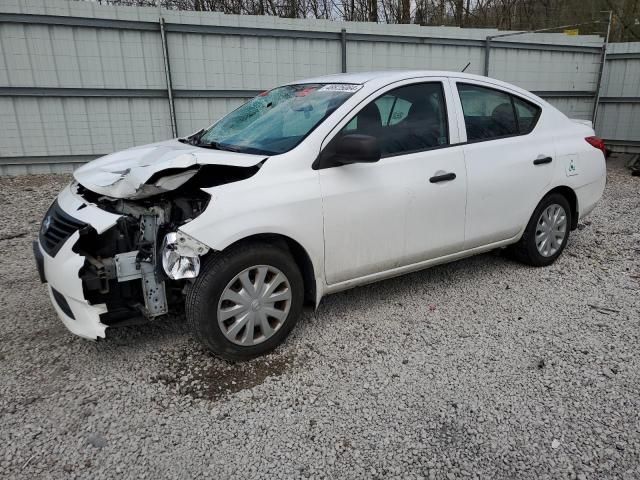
{"points": [[181, 255]]}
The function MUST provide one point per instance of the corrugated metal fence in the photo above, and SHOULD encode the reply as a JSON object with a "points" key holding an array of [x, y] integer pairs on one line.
{"points": [[619, 109], [78, 80]]}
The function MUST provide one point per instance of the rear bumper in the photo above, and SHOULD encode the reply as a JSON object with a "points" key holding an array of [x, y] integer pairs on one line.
{"points": [[589, 195]]}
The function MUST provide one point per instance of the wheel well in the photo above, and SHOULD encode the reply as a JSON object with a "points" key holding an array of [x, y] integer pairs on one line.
{"points": [[299, 254], [571, 197]]}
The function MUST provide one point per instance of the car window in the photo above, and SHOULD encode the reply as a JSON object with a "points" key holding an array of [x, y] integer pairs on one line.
{"points": [[488, 113], [527, 114], [392, 110], [407, 119], [400, 111], [385, 105], [277, 120]]}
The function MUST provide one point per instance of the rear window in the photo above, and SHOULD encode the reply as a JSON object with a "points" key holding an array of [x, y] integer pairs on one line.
{"points": [[490, 113], [527, 114]]}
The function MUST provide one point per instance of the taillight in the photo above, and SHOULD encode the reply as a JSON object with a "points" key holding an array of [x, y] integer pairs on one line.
{"points": [[598, 143]]}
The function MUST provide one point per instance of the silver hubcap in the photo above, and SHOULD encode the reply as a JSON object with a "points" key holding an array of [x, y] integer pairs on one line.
{"points": [[254, 305], [551, 230]]}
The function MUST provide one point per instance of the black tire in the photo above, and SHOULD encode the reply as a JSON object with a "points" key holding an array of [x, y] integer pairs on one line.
{"points": [[525, 250], [201, 305]]}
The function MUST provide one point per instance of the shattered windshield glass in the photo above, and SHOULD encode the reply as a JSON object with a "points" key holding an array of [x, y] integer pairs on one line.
{"points": [[277, 120]]}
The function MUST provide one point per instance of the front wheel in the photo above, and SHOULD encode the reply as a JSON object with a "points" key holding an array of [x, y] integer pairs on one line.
{"points": [[546, 234], [245, 301]]}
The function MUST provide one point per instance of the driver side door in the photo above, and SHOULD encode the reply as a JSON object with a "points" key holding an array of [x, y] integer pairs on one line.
{"points": [[396, 212]]}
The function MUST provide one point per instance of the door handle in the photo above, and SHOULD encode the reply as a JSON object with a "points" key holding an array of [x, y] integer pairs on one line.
{"points": [[542, 161], [445, 177]]}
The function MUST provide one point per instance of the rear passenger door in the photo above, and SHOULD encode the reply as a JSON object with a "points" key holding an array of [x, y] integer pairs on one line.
{"points": [[509, 163]]}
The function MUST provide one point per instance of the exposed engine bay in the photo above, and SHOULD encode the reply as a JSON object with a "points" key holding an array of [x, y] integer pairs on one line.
{"points": [[139, 267]]}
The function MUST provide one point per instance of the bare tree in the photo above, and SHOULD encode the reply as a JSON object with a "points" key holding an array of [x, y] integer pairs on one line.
{"points": [[504, 14]]}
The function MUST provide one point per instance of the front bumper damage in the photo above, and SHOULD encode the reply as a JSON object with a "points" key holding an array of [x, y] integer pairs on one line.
{"points": [[65, 290], [59, 265], [103, 268]]}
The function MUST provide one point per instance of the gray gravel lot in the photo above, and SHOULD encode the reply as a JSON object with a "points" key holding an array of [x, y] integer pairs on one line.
{"points": [[483, 369]]}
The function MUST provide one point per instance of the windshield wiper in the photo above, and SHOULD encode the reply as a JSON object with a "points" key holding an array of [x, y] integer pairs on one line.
{"points": [[216, 146], [193, 139]]}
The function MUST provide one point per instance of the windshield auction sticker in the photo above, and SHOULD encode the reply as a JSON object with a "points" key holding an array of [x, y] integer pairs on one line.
{"points": [[341, 87]]}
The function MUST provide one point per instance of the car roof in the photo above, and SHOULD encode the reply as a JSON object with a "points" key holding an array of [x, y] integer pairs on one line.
{"points": [[390, 76], [380, 78]]}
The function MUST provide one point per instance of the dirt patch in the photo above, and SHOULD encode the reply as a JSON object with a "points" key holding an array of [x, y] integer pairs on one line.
{"points": [[197, 373]]}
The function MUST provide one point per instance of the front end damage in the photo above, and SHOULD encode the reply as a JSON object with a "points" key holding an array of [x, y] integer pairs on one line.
{"points": [[112, 261], [123, 266]]}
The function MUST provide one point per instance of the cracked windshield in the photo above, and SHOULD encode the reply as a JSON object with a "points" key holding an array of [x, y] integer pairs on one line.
{"points": [[277, 120]]}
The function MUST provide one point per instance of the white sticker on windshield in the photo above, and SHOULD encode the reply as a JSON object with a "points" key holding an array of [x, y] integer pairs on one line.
{"points": [[340, 87]]}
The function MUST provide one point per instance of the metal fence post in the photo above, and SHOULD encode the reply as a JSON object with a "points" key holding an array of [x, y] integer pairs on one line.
{"points": [[343, 51], [487, 52], [603, 60], [167, 74]]}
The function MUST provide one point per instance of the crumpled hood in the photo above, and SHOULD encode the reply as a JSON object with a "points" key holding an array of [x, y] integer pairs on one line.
{"points": [[125, 174]]}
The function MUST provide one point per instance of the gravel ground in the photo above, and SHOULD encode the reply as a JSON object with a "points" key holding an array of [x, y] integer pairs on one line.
{"points": [[483, 369]]}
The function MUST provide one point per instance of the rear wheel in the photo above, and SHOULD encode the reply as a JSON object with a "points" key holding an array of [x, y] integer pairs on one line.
{"points": [[245, 301], [546, 234]]}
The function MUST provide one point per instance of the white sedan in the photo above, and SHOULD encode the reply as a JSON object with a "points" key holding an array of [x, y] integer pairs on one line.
{"points": [[311, 188]]}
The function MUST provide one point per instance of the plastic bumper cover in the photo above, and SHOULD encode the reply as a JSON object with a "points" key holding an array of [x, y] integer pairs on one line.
{"points": [[65, 290], [589, 195], [61, 272]]}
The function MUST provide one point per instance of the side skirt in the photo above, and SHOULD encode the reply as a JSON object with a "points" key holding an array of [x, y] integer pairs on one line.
{"points": [[414, 267]]}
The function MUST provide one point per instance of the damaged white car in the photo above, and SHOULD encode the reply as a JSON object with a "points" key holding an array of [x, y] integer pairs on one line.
{"points": [[309, 189]]}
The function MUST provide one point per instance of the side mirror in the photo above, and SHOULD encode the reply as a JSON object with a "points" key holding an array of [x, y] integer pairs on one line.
{"points": [[348, 149]]}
